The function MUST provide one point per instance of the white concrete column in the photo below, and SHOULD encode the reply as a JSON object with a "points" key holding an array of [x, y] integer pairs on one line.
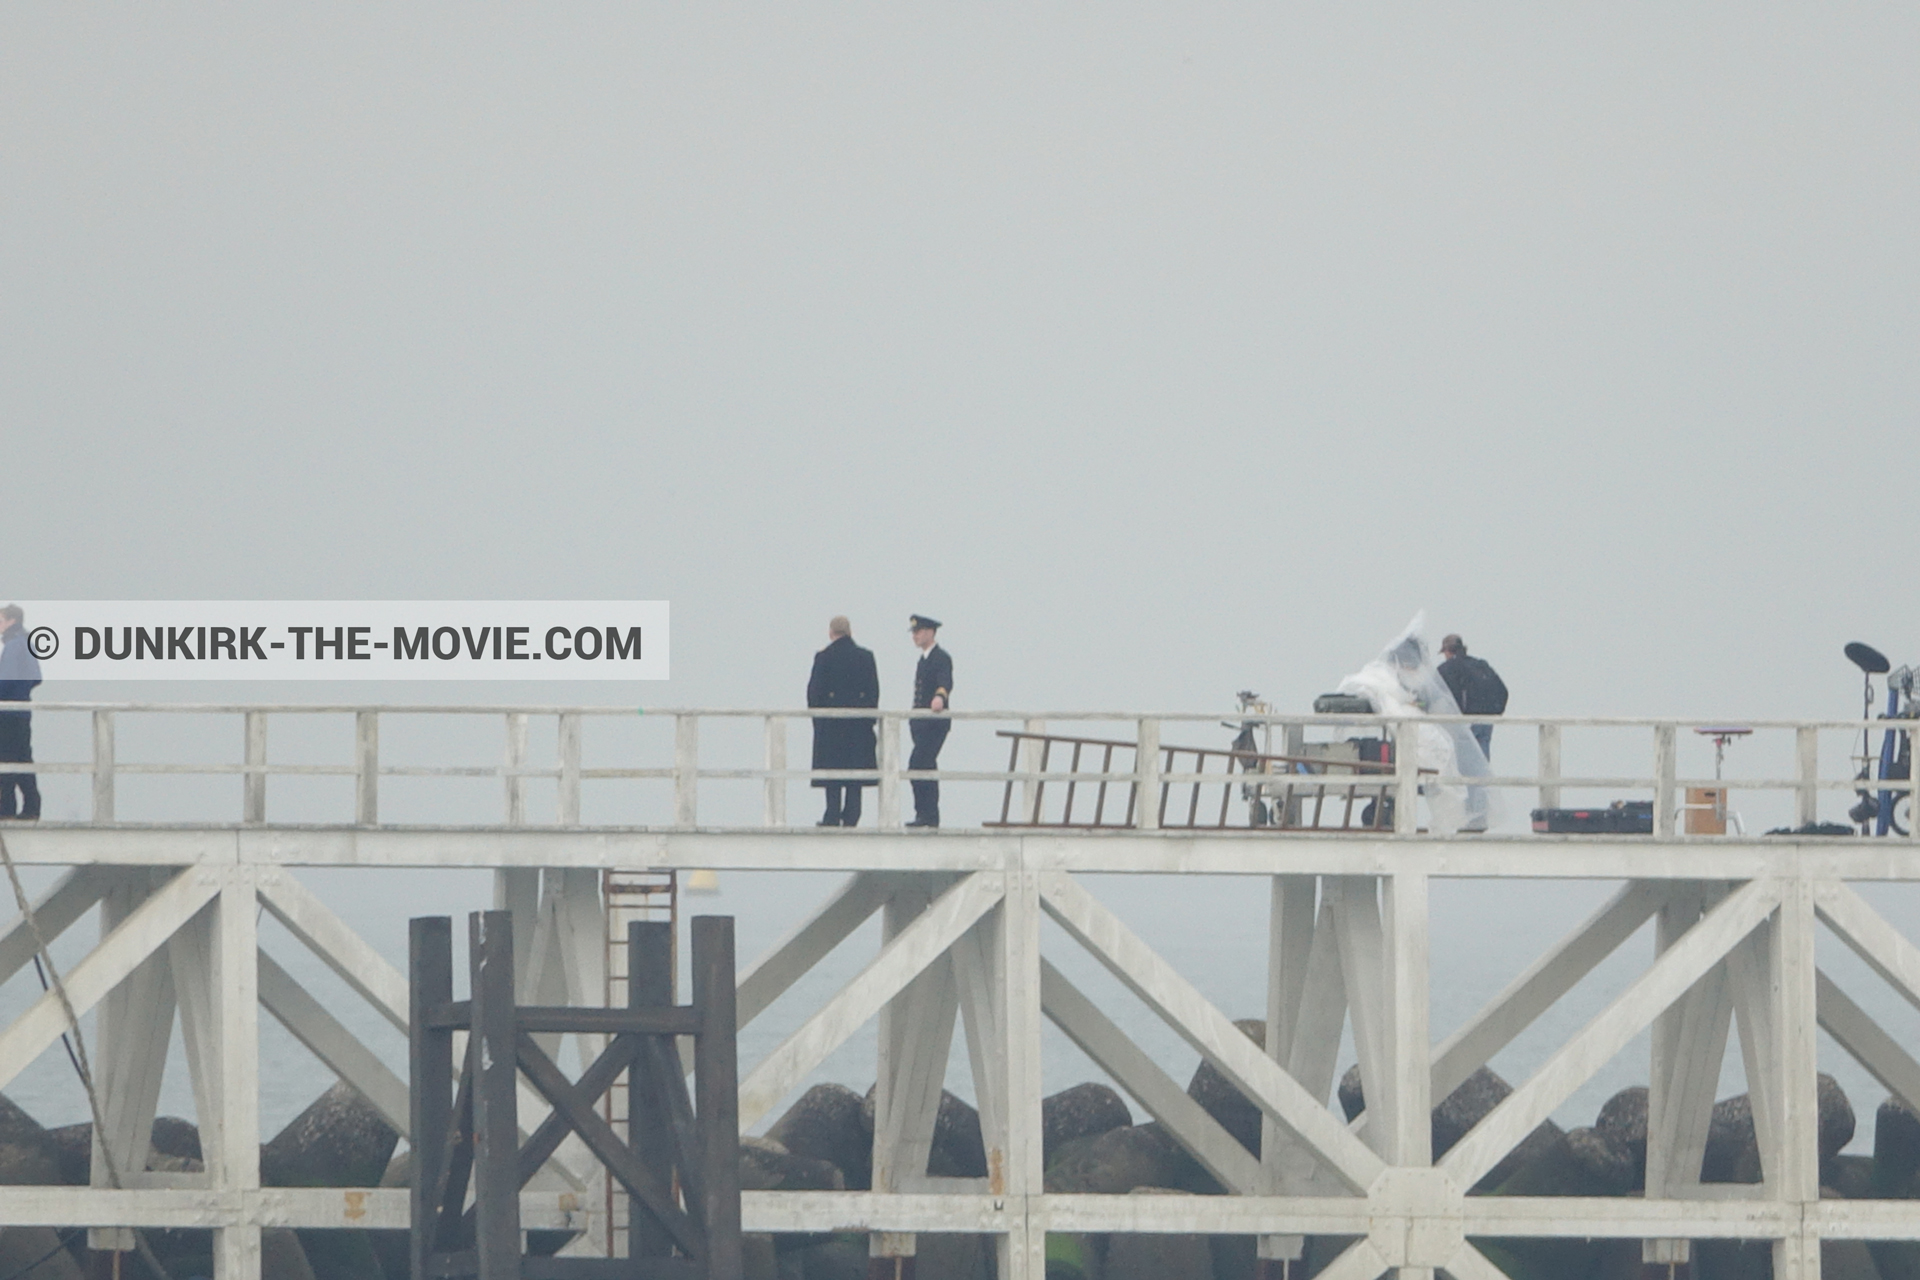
{"points": [[1023, 1250], [1030, 792], [103, 766], [1806, 796], [1797, 1135], [1290, 939], [1408, 1050], [1406, 777], [514, 761], [235, 1162], [1549, 768], [366, 766], [254, 789], [774, 806], [686, 770], [887, 760], [517, 889], [1664, 761]]}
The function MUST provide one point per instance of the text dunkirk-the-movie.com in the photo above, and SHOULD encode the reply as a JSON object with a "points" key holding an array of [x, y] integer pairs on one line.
{"points": [[349, 640]]}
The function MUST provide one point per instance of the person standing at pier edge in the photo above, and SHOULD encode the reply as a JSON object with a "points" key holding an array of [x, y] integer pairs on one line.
{"points": [[1476, 687], [844, 675], [932, 690], [19, 673]]}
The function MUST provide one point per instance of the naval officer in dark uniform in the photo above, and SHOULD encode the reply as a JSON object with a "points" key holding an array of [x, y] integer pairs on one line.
{"points": [[932, 690], [844, 675]]}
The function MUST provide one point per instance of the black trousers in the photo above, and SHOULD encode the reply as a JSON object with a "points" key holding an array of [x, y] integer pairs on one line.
{"points": [[843, 804], [928, 737], [16, 747]]}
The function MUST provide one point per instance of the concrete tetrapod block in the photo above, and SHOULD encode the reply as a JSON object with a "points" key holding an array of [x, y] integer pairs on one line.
{"points": [[1072, 1256], [1606, 1161], [72, 1146], [1896, 1148], [174, 1140], [1585, 1162], [958, 1149], [1894, 1259], [23, 1165], [1624, 1118], [1456, 1115], [1079, 1112], [953, 1257], [35, 1253], [18, 1129], [1846, 1259], [765, 1165], [1732, 1260], [1733, 1150], [1156, 1256], [839, 1258], [1896, 1160], [830, 1122], [1115, 1162], [1465, 1107], [758, 1259], [173, 1136], [1234, 1257], [340, 1140], [282, 1257], [1220, 1099]]}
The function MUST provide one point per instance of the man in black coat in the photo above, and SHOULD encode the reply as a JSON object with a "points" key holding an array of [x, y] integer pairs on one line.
{"points": [[19, 673], [844, 675], [1476, 687], [932, 690]]}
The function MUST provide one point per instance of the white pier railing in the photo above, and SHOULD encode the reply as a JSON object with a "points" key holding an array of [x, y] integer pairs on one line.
{"points": [[1173, 759], [1737, 923]]}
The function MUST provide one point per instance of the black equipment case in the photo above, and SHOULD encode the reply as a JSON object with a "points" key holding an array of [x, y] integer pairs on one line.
{"points": [[1621, 818]]}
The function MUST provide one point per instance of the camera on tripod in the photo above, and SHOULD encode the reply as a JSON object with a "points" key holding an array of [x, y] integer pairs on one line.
{"points": [[1879, 812]]}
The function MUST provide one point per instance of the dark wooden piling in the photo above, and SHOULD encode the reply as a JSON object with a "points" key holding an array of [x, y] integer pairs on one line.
{"points": [[430, 1065], [716, 1084], [492, 1061], [680, 1164]]}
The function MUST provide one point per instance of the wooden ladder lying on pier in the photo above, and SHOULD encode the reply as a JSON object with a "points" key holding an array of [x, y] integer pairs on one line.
{"points": [[1300, 792]]}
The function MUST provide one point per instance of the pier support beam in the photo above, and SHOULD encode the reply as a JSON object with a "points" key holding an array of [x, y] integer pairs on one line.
{"points": [[234, 1156]]}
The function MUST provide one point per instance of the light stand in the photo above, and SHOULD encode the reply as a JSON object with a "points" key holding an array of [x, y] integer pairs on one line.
{"points": [[1871, 663]]}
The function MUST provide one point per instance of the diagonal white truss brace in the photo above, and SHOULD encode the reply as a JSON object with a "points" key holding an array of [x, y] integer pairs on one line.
{"points": [[144, 931], [1116, 1054], [899, 962], [1208, 1030], [1697, 951]]}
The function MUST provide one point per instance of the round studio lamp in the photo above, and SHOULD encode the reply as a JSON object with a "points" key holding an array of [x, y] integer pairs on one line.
{"points": [[1868, 659]]}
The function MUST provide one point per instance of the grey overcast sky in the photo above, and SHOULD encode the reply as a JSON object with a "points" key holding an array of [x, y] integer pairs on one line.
{"points": [[1161, 351]]}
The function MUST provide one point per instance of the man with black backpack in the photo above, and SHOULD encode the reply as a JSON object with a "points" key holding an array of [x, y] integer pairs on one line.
{"points": [[1476, 687]]}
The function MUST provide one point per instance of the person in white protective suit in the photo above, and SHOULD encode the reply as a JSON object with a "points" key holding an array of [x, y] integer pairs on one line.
{"points": [[1404, 683]]}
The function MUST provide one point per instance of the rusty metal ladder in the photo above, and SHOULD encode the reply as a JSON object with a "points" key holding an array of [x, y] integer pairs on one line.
{"points": [[630, 896]]}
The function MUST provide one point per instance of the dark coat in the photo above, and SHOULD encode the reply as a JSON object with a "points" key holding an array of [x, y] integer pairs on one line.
{"points": [[19, 669], [844, 675], [1476, 688], [19, 673]]}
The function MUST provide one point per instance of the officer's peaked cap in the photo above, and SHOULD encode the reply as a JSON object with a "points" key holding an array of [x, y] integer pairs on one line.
{"points": [[917, 621]]}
